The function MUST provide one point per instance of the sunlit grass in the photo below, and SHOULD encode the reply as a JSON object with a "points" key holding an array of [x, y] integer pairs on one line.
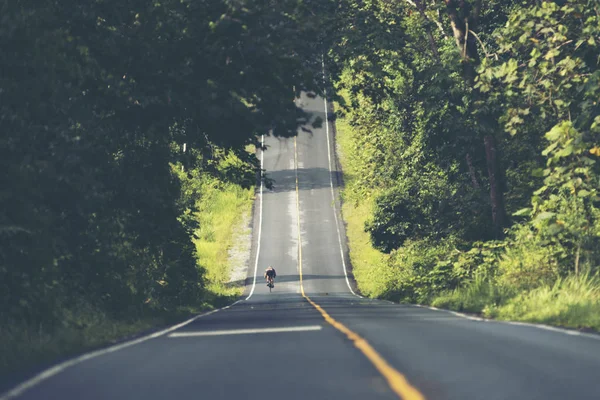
{"points": [[368, 264], [474, 297], [571, 302], [221, 209]]}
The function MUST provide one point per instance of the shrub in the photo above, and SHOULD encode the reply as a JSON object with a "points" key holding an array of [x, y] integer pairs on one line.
{"points": [[528, 262], [422, 269]]}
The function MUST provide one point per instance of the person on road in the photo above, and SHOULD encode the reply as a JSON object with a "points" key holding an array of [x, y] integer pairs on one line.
{"points": [[270, 274]]}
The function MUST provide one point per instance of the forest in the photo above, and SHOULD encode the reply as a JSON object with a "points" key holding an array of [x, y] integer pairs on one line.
{"points": [[468, 131]]}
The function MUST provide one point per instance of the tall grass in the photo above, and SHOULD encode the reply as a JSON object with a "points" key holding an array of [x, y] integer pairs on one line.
{"points": [[476, 296], [571, 302], [221, 210], [369, 265]]}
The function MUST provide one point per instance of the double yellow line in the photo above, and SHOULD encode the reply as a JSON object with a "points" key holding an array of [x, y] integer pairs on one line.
{"points": [[397, 382]]}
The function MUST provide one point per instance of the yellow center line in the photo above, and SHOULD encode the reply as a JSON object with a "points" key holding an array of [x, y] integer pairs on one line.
{"points": [[397, 382]]}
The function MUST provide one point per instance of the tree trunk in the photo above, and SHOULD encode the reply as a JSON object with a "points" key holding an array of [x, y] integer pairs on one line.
{"points": [[432, 44], [464, 18], [472, 171], [496, 195]]}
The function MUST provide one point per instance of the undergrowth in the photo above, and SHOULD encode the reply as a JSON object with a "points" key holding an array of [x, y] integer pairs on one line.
{"points": [[220, 211], [516, 279], [572, 302], [369, 265], [80, 326]]}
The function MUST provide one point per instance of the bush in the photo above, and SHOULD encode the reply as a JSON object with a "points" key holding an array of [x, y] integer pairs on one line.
{"points": [[528, 262], [422, 269]]}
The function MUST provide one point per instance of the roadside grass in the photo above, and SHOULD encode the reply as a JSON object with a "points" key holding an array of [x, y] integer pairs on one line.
{"points": [[83, 327], [22, 345], [221, 210], [369, 265], [572, 302], [476, 296]]}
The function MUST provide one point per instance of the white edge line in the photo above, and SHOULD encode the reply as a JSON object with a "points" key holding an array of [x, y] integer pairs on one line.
{"points": [[517, 323], [55, 370], [337, 227], [299, 244], [246, 331], [260, 213]]}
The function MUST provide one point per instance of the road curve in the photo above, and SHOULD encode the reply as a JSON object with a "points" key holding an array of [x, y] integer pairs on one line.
{"points": [[313, 338]]}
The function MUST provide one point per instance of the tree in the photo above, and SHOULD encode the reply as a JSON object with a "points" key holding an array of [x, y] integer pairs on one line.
{"points": [[548, 80], [95, 98]]}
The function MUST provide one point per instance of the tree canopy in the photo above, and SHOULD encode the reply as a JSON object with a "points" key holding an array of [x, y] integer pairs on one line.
{"points": [[478, 128], [477, 123], [97, 99]]}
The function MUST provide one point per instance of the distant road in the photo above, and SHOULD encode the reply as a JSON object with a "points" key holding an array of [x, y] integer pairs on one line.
{"points": [[312, 338]]}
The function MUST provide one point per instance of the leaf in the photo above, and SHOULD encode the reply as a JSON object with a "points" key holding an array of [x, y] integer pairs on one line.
{"points": [[549, 149], [583, 193], [523, 212], [567, 151], [554, 133], [554, 229], [537, 173], [544, 216]]}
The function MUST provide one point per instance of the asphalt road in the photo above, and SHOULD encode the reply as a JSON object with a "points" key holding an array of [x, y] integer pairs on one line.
{"points": [[326, 342]]}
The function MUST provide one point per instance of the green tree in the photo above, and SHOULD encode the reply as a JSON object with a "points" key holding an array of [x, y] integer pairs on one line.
{"points": [[96, 99], [547, 80]]}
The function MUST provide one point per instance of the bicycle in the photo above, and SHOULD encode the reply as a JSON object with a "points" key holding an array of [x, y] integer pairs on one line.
{"points": [[270, 283]]}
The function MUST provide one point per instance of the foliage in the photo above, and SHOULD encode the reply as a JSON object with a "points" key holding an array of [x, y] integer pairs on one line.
{"points": [[528, 262], [430, 206], [549, 72], [571, 302], [474, 296], [368, 264], [97, 101], [423, 269], [453, 112]]}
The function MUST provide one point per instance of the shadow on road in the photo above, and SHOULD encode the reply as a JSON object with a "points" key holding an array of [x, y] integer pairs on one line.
{"points": [[308, 179]]}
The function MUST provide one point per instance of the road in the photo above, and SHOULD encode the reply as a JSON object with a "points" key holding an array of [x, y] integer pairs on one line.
{"points": [[323, 341]]}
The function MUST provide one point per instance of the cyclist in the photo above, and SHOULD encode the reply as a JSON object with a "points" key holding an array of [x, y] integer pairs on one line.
{"points": [[270, 274]]}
